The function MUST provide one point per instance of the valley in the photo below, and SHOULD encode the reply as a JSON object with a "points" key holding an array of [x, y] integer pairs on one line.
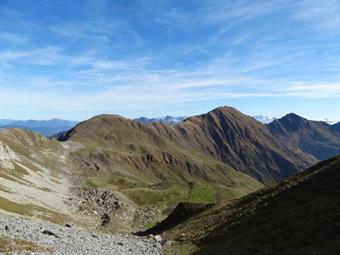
{"points": [[112, 175], [169, 127]]}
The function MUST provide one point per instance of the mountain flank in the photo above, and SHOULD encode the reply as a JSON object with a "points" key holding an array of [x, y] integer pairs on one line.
{"points": [[298, 216], [34, 175], [149, 167], [317, 138], [240, 141]]}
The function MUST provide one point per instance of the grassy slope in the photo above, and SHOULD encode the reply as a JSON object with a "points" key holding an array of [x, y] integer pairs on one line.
{"points": [[10, 246], [123, 154], [299, 216]]}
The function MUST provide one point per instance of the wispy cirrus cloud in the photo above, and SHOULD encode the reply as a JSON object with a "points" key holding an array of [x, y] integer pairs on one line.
{"points": [[159, 55], [320, 14], [14, 38]]}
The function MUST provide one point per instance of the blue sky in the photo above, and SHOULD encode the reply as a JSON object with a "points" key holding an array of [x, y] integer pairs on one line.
{"points": [[75, 59]]}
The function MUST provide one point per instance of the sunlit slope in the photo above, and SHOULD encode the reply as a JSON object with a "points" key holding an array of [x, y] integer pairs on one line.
{"points": [[240, 141], [123, 154], [34, 178]]}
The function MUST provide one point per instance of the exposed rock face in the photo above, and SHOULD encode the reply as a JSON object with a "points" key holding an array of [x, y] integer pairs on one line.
{"points": [[6, 157], [314, 137], [112, 207], [33, 179], [93, 201], [240, 141]]}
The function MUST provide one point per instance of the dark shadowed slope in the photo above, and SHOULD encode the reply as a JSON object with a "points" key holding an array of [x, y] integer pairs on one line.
{"points": [[336, 128], [299, 216], [314, 137], [241, 141]]}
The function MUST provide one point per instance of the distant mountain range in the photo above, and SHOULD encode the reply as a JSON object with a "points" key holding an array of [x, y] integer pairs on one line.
{"points": [[165, 119], [264, 119], [177, 119], [45, 127]]}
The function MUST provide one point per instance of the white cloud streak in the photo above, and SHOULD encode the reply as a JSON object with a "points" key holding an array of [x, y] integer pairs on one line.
{"points": [[93, 81]]}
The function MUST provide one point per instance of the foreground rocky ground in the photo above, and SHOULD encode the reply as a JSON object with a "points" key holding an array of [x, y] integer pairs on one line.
{"points": [[39, 237]]}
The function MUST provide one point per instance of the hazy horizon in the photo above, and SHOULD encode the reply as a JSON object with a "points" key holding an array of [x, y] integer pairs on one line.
{"points": [[162, 116]]}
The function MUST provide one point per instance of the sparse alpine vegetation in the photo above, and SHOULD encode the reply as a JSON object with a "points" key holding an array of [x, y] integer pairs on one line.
{"points": [[115, 175]]}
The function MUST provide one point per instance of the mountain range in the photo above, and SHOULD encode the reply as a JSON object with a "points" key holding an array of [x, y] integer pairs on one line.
{"points": [[239, 140], [45, 127], [165, 119], [264, 119], [122, 175], [171, 119]]}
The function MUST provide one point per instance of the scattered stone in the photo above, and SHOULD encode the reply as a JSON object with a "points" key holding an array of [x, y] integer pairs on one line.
{"points": [[75, 240], [6, 227], [105, 219], [67, 225], [158, 238], [95, 202], [47, 232], [166, 242]]}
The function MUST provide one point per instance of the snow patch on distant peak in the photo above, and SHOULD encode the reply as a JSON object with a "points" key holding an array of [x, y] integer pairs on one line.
{"points": [[165, 119], [264, 119]]}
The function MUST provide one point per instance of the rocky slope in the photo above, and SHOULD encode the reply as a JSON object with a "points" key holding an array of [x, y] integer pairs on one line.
{"points": [[298, 216], [22, 236], [314, 137], [39, 180], [240, 141], [34, 175]]}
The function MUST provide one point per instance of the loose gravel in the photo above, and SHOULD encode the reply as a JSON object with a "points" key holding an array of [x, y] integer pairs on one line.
{"points": [[74, 240]]}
